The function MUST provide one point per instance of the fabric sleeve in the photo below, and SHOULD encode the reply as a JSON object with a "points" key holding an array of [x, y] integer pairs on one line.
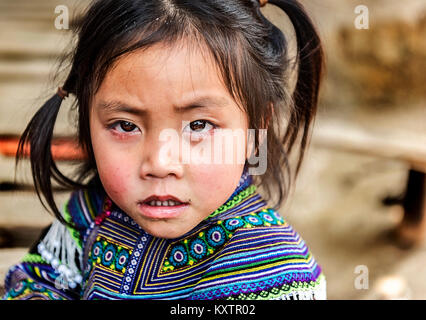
{"points": [[52, 269], [263, 263]]}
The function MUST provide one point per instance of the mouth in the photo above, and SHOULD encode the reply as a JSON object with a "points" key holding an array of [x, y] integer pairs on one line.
{"points": [[162, 207]]}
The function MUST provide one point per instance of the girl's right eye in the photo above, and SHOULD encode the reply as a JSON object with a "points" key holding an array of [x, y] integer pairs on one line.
{"points": [[124, 127]]}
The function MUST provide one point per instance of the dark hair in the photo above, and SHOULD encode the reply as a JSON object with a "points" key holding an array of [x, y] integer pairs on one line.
{"points": [[252, 55]]}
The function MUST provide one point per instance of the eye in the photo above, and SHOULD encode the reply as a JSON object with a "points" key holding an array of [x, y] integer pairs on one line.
{"points": [[199, 127], [124, 126]]}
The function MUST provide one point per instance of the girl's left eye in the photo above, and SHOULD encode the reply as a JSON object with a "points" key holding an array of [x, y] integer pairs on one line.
{"points": [[124, 126], [199, 127]]}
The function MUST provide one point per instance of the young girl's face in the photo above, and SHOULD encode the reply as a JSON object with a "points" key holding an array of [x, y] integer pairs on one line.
{"points": [[145, 94]]}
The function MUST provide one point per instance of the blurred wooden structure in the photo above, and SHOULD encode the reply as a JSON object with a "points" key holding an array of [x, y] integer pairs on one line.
{"points": [[409, 149], [63, 148], [30, 45]]}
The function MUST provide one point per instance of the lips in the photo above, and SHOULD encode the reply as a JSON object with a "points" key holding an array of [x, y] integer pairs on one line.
{"points": [[162, 207], [156, 199]]}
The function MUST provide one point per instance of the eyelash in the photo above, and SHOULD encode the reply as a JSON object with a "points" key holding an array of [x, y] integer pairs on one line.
{"points": [[113, 125]]}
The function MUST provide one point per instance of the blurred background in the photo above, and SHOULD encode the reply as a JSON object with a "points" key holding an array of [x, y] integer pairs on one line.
{"points": [[359, 201]]}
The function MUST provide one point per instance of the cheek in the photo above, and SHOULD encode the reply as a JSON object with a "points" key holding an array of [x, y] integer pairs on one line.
{"points": [[214, 184], [114, 169], [115, 178]]}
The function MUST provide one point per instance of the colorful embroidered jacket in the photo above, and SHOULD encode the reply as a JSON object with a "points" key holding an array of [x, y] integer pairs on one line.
{"points": [[242, 251]]}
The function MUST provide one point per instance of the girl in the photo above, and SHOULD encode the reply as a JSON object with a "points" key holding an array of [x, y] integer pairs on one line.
{"points": [[143, 223]]}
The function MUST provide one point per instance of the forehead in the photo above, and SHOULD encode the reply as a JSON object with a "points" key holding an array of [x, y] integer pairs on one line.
{"points": [[173, 73]]}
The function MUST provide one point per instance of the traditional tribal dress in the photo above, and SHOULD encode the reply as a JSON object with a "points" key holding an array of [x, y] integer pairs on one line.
{"points": [[242, 251]]}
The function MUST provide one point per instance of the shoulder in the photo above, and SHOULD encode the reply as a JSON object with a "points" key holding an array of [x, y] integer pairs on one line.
{"points": [[83, 205], [264, 259], [53, 267]]}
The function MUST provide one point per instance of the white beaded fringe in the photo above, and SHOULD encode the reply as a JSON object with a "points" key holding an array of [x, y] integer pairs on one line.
{"points": [[59, 249]]}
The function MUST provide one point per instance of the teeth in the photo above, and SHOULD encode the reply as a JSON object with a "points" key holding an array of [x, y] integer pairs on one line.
{"points": [[167, 203]]}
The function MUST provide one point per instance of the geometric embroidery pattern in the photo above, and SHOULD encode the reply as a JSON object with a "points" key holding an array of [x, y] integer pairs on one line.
{"points": [[195, 249], [109, 255]]}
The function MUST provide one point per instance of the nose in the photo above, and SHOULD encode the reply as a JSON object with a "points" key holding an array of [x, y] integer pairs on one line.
{"points": [[160, 159]]}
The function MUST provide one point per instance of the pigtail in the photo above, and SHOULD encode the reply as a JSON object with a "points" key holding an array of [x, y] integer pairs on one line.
{"points": [[38, 136], [310, 63]]}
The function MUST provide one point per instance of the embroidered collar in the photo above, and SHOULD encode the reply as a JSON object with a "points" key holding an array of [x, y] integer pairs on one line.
{"points": [[245, 208]]}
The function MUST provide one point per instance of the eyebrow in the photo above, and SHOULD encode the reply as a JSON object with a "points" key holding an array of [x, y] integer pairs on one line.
{"points": [[202, 102]]}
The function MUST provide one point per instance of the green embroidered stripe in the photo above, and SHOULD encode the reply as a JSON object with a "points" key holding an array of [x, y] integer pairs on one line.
{"points": [[73, 232], [33, 258], [234, 201]]}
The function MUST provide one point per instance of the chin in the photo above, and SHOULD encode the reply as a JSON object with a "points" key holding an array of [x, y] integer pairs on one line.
{"points": [[160, 231], [164, 235]]}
